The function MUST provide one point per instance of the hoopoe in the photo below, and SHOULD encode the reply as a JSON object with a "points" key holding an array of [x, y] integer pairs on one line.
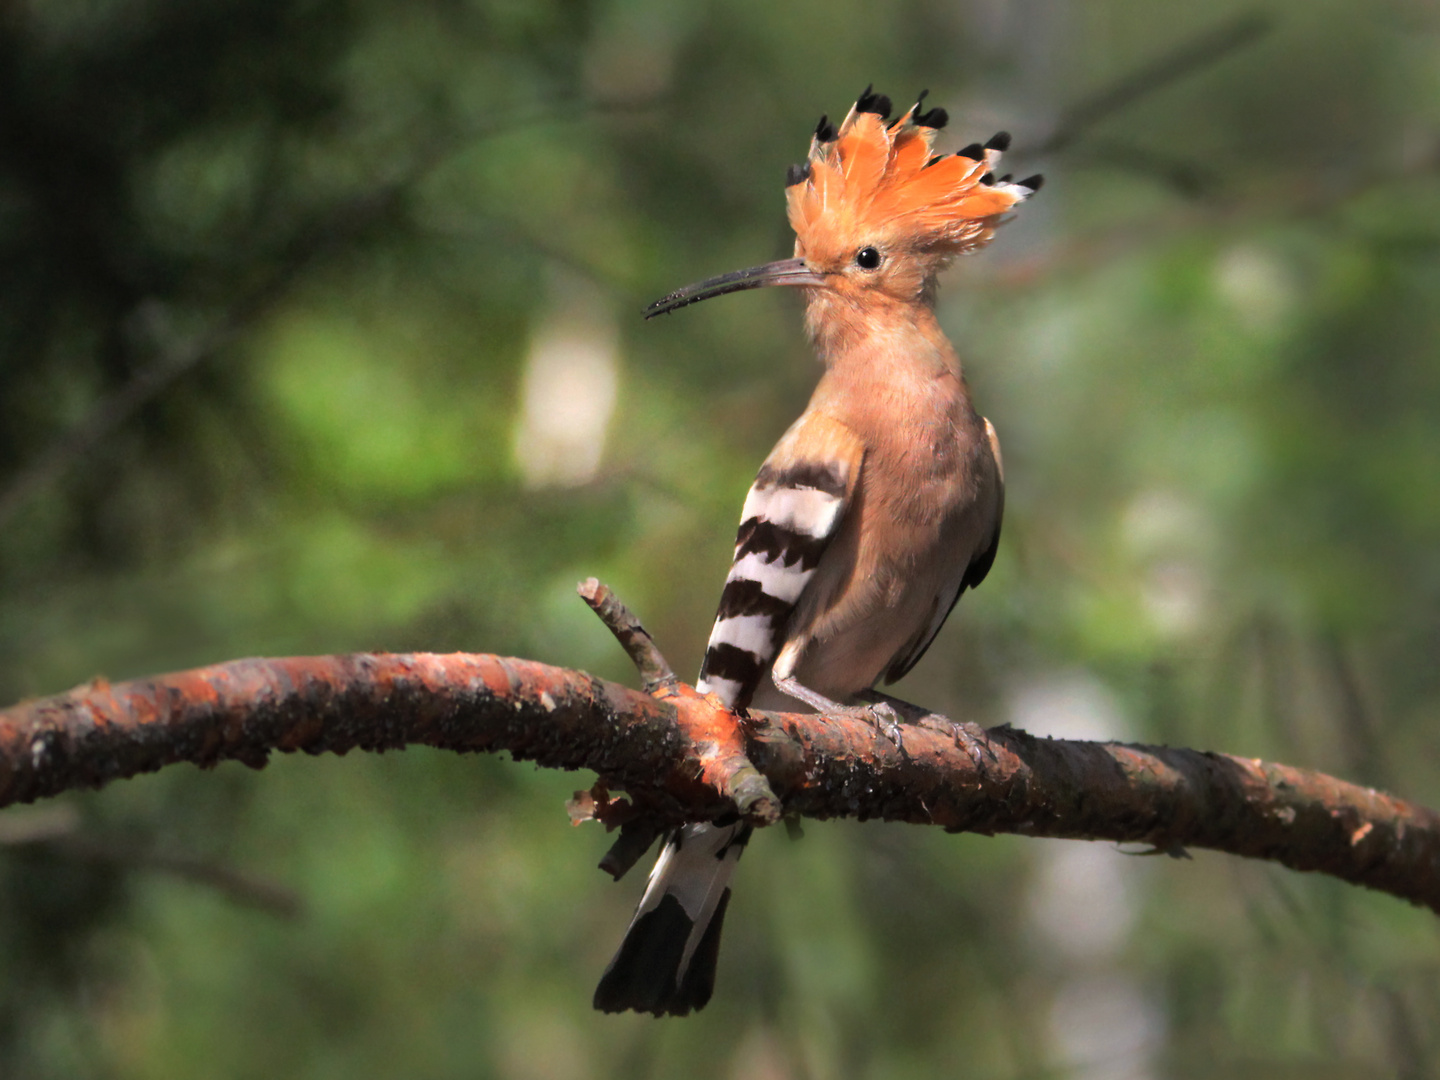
{"points": [[873, 513]]}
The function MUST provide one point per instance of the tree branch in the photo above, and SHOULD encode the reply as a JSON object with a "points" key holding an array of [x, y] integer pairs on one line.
{"points": [[678, 755], [58, 830], [1178, 63], [655, 670]]}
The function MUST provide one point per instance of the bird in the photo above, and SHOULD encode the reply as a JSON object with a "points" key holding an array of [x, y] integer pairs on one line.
{"points": [[877, 508]]}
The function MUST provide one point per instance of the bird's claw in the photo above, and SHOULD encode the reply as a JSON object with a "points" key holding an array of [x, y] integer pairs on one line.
{"points": [[886, 721], [964, 740], [968, 737]]}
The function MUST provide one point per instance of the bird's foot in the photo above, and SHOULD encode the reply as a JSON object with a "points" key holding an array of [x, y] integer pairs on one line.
{"points": [[878, 710], [887, 713], [887, 722], [968, 736]]}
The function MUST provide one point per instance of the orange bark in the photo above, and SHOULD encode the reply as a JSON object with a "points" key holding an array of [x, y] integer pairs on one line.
{"points": [[680, 757]]}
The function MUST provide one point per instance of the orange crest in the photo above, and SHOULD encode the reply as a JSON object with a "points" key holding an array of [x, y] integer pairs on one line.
{"points": [[878, 181]]}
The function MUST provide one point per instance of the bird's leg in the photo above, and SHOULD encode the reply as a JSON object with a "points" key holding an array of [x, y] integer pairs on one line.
{"points": [[881, 715]]}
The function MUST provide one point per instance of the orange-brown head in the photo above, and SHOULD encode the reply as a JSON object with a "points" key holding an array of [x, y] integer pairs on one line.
{"points": [[876, 214]]}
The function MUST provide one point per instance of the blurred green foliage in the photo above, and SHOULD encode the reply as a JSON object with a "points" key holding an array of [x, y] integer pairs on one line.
{"points": [[279, 285]]}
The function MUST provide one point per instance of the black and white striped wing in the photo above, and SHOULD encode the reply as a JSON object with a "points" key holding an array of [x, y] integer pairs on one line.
{"points": [[666, 964], [793, 510]]}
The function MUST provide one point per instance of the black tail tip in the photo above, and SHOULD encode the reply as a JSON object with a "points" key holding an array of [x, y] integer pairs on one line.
{"points": [[646, 975]]}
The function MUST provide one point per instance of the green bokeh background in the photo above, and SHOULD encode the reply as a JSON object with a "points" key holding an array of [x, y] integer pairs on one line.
{"points": [[320, 244]]}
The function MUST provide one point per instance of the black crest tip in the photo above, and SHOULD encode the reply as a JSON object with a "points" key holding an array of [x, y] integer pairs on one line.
{"points": [[1007, 178], [797, 174], [825, 131], [975, 152], [1033, 183], [999, 141], [936, 118], [988, 179], [872, 102]]}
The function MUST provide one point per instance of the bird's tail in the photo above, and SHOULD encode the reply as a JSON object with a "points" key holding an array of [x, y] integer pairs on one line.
{"points": [[666, 964]]}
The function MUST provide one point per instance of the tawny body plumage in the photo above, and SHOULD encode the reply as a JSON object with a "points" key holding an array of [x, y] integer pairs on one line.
{"points": [[877, 508], [926, 508]]}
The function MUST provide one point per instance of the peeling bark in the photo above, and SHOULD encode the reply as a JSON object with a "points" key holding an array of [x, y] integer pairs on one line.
{"points": [[680, 757]]}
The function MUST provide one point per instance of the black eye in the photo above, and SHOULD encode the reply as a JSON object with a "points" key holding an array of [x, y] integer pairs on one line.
{"points": [[867, 258]]}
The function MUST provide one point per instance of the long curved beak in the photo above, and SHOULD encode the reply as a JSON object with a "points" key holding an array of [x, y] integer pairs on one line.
{"points": [[784, 272]]}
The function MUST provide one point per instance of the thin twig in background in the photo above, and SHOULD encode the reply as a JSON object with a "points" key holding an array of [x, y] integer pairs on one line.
{"points": [[58, 829], [360, 213], [1179, 63], [338, 230]]}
